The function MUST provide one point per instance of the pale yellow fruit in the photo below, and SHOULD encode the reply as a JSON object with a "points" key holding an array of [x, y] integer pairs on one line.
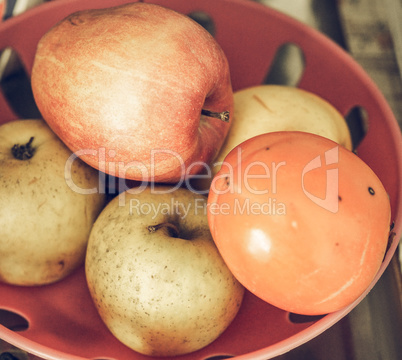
{"points": [[44, 224], [268, 108], [161, 291]]}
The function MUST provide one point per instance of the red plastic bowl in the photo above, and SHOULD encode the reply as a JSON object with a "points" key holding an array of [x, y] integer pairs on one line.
{"points": [[63, 323]]}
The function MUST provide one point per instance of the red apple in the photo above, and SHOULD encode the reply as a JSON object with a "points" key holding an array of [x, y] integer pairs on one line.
{"points": [[125, 87]]}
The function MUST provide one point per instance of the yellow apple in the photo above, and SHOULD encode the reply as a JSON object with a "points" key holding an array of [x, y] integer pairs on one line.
{"points": [[268, 108], [44, 222], [155, 274]]}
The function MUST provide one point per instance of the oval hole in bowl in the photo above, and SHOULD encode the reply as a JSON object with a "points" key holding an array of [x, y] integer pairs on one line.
{"points": [[13, 321], [287, 67], [357, 120], [204, 19], [14, 354], [302, 319], [219, 357], [16, 85]]}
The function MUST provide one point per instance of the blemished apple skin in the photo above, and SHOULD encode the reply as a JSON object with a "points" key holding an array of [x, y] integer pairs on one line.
{"points": [[159, 294], [129, 84], [44, 224]]}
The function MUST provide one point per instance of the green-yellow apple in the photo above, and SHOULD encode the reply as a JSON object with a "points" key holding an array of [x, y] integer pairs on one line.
{"points": [[155, 274], [44, 221], [268, 108], [135, 90]]}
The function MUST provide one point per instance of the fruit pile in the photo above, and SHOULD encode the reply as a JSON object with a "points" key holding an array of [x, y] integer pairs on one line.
{"points": [[176, 192]]}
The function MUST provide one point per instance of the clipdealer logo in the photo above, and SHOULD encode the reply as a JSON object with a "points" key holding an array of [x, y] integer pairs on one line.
{"points": [[329, 202]]}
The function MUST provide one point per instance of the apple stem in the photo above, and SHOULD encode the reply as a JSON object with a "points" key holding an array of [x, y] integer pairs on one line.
{"points": [[174, 231], [224, 115], [23, 152]]}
